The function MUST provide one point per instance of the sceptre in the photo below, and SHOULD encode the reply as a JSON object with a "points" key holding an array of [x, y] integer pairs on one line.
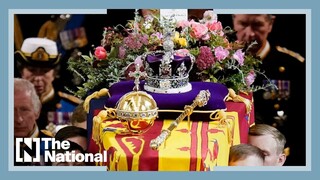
{"points": [[201, 100]]}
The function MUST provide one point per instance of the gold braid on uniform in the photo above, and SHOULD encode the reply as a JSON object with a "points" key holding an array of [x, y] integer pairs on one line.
{"points": [[236, 98], [291, 53], [70, 97], [96, 95]]}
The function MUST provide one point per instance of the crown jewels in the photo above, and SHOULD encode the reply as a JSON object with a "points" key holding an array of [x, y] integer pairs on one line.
{"points": [[137, 110], [168, 70]]}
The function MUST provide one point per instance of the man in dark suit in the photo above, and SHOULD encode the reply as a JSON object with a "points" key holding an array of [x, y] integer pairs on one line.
{"points": [[282, 107], [27, 107]]}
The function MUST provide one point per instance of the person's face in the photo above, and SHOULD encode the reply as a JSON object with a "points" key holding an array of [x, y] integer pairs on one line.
{"points": [[269, 147], [81, 124], [24, 114], [41, 78], [248, 161], [82, 141], [252, 27]]}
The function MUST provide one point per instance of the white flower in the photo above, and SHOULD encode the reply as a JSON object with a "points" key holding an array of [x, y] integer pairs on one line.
{"points": [[147, 25], [209, 16]]}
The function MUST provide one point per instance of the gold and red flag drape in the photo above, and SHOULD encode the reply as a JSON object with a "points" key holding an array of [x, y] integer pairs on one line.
{"points": [[202, 147]]}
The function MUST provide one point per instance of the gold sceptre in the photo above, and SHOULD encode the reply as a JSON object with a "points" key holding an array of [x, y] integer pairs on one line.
{"points": [[201, 100]]}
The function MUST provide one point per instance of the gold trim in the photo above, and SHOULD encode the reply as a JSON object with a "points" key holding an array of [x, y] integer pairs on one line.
{"points": [[95, 95], [291, 53], [30, 55], [194, 111], [236, 98], [70, 97], [201, 100], [22, 54]]}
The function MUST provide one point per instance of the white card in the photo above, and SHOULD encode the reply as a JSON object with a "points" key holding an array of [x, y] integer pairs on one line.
{"points": [[179, 14]]}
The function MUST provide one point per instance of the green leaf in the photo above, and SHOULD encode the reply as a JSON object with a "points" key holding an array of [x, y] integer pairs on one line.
{"points": [[114, 52], [87, 58]]}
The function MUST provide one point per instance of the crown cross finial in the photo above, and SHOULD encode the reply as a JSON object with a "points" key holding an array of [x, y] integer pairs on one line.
{"points": [[137, 74], [136, 21]]}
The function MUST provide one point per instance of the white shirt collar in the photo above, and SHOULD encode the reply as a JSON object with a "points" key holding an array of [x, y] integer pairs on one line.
{"points": [[263, 53]]}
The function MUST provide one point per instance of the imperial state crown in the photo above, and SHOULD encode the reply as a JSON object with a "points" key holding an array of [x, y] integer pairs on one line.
{"points": [[168, 70]]}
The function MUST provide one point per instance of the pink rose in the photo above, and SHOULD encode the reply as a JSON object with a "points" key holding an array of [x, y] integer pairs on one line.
{"points": [[214, 26], [221, 53], [198, 30], [100, 53], [183, 24]]}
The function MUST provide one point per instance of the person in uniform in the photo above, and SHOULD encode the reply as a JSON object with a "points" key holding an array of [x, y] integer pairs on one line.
{"points": [[282, 106], [27, 108], [38, 62]]}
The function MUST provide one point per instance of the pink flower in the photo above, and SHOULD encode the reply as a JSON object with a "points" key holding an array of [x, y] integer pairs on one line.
{"points": [[138, 61], [144, 39], [157, 35], [250, 78], [205, 37], [183, 24], [182, 52], [136, 41], [122, 52], [239, 56], [198, 30], [221, 53], [214, 26], [205, 58], [100, 53]]}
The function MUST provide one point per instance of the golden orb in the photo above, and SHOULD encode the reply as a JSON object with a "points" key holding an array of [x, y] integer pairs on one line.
{"points": [[137, 111]]}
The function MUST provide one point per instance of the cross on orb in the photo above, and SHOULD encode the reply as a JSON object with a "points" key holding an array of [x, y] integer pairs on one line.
{"points": [[136, 75]]}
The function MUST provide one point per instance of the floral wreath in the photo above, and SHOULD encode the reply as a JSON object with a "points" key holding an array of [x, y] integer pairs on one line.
{"points": [[218, 58]]}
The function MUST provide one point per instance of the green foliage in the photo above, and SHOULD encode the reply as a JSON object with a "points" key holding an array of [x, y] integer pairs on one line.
{"points": [[96, 73]]}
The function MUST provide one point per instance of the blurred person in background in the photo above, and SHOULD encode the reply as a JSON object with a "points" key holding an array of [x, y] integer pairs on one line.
{"points": [[282, 107], [38, 62]]}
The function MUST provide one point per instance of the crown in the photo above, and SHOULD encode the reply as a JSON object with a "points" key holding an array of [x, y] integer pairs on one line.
{"points": [[168, 70]]}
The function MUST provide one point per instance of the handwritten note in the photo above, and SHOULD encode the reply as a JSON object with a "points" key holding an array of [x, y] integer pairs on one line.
{"points": [[178, 14]]}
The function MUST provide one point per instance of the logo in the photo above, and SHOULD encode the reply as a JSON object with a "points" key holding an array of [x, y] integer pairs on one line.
{"points": [[35, 150]]}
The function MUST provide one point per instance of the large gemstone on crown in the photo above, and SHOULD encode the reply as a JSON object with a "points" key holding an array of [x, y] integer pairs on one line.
{"points": [[167, 74], [137, 111]]}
